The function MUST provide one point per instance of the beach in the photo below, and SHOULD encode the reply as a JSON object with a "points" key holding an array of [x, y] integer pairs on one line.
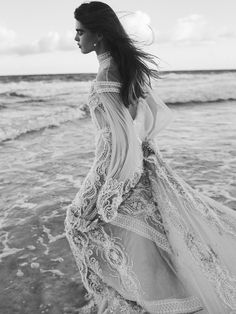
{"points": [[46, 149]]}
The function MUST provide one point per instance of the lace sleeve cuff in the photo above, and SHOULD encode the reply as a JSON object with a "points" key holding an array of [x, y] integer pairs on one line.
{"points": [[111, 195]]}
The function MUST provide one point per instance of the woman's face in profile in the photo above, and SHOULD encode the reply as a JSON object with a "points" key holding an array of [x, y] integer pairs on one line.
{"points": [[84, 38]]}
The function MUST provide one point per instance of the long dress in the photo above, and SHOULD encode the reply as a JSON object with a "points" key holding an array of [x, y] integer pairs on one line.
{"points": [[144, 240]]}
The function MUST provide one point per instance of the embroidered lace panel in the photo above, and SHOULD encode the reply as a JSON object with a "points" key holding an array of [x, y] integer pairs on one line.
{"points": [[143, 229], [100, 87], [86, 247]]}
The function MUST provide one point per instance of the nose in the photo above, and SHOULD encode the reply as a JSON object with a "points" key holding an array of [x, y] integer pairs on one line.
{"points": [[76, 39]]}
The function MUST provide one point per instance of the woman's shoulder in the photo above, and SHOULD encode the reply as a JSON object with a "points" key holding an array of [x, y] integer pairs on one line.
{"points": [[109, 74], [107, 80]]}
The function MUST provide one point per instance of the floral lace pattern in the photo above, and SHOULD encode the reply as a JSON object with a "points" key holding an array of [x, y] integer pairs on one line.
{"points": [[140, 214], [112, 194], [84, 202], [84, 246], [88, 245]]}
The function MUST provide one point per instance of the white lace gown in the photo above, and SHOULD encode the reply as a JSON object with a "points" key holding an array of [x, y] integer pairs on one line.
{"points": [[143, 239]]}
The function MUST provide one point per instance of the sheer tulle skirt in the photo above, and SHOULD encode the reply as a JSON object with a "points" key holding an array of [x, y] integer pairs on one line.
{"points": [[202, 234], [169, 250]]}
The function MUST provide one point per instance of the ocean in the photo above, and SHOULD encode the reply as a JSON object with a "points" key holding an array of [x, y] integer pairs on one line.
{"points": [[47, 148]]}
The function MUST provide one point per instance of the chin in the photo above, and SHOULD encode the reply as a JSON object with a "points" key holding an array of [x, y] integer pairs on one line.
{"points": [[85, 51]]}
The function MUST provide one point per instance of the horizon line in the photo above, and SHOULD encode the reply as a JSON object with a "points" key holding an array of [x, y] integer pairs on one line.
{"points": [[163, 71]]}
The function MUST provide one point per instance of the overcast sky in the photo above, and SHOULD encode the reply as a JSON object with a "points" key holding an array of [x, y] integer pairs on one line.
{"points": [[38, 36]]}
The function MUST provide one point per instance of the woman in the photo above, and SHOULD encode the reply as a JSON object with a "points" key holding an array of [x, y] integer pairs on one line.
{"points": [[143, 239]]}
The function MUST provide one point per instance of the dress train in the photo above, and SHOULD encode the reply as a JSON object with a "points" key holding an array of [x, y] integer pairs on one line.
{"points": [[170, 249]]}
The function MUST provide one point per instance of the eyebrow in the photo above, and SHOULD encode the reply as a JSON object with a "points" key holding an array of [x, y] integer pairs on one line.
{"points": [[79, 29]]}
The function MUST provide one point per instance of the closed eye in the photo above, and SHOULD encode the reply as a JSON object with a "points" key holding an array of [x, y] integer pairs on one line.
{"points": [[79, 31]]}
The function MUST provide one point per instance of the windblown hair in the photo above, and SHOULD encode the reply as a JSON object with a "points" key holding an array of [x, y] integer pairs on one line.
{"points": [[98, 17]]}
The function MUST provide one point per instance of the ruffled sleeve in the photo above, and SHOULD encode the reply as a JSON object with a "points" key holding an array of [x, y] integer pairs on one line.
{"points": [[126, 159], [117, 165], [83, 207], [154, 116], [161, 114]]}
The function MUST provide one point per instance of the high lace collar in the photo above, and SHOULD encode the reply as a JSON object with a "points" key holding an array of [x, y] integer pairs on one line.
{"points": [[104, 57]]}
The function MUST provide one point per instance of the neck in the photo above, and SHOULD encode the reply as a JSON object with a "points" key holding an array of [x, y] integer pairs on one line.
{"points": [[104, 57], [100, 48]]}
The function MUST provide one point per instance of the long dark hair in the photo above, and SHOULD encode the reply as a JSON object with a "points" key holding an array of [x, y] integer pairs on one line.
{"points": [[99, 17]]}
